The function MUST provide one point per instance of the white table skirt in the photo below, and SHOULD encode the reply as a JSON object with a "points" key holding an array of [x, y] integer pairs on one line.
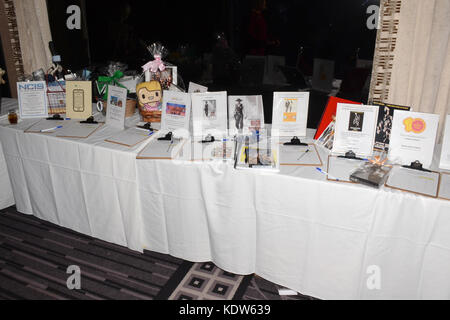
{"points": [[6, 194], [317, 237], [294, 228]]}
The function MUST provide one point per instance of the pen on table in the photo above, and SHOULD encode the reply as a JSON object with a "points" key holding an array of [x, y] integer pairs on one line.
{"points": [[170, 145], [51, 129], [150, 132], [304, 154], [326, 173]]}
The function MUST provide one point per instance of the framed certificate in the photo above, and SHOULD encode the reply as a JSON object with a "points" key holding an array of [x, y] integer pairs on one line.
{"points": [[32, 98], [290, 114], [413, 137], [355, 129]]}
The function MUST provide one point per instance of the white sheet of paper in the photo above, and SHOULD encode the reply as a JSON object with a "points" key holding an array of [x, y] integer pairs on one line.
{"points": [[75, 129], [444, 189], [32, 99], [209, 113], [176, 111], [157, 149], [116, 105], [245, 114], [341, 168], [130, 137], [425, 183], [445, 153], [299, 155], [196, 88], [290, 114], [45, 125], [355, 129], [413, 137]]}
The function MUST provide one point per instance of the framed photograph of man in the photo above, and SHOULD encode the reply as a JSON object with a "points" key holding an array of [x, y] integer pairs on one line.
{"points": [[245, 114]]}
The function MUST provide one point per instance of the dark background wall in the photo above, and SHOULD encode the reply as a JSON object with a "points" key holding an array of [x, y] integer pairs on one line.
{"points": [[115, 30], [120, 30]]}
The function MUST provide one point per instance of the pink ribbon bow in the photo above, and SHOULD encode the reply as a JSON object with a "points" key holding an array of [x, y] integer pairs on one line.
{"points": [[155, 65]]}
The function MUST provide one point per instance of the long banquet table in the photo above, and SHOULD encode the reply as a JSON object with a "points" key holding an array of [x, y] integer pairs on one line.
{"points": [[320, 238]]}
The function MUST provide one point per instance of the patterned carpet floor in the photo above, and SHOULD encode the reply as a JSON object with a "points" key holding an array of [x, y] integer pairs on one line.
{"points": [[35, 256]]}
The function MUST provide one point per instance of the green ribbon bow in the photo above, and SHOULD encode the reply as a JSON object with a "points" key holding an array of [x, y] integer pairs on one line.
{"points": [[103, 81]]}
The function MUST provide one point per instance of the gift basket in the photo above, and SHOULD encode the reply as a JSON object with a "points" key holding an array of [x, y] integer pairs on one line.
{"points": [[159, 76], [114, 73]]}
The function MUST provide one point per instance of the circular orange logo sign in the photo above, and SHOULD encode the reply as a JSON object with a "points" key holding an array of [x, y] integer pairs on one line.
{"points": [[415, 125], [418, 126]]}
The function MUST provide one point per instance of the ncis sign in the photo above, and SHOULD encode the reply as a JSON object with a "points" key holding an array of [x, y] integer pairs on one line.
{"points": [[31, 86]]}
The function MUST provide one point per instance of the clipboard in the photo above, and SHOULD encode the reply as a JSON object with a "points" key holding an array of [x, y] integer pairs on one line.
{"points": [[342, 166], [299, 155], [45, 124], [78, 130], [419, 177], [131, 137], [161, 150], [444, 192]]}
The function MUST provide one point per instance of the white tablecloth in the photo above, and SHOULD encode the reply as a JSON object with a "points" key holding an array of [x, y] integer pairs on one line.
{"points": [[294, 228], [6, 194]]}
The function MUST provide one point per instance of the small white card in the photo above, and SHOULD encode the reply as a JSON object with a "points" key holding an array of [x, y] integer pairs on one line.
{"points": [[116, 105], [245, 114], [445, 153], [413, 137], [209, 113], [355, 129], [176, 111], [196, 88], [290, 114], [32, 99]]}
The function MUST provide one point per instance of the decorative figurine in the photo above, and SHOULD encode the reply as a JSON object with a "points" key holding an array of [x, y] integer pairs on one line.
{"points": [[150, 100]]}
